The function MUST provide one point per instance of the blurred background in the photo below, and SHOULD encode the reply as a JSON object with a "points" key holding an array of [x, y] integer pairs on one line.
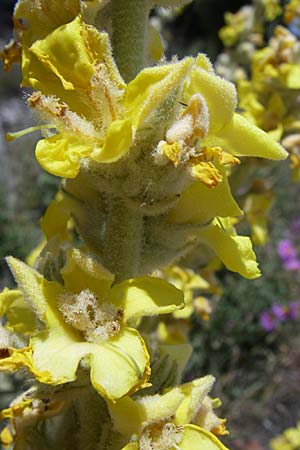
{"points": [[251, 342]]}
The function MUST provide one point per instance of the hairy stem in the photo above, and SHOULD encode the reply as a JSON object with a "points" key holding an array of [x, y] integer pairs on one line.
{"points": [[123, 240], [129, 36]]}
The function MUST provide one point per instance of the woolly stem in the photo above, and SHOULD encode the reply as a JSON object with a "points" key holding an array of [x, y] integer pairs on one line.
{"points": [[123, 240], [129, 35]]}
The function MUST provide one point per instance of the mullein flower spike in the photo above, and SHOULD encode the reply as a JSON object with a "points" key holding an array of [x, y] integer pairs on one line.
{"points": [[144, 151]]}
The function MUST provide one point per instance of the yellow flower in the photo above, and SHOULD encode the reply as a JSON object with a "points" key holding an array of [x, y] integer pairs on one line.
{"points": [[98, 116], [292, 144], [288, 440], [257, 206], [237, 25], [291, 11], [18, 316], [175, 419], [278, 62], [272, 9], [188, 282], [86, 321], [264, 107], [28, 410]]}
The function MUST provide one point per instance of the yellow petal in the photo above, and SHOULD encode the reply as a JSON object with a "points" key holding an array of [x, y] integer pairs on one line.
{"points": [[293, 77], [144, 411], [195, 438], [35, 252], [119, 413], [257, 207], [152, 87], [172, 334], [157, 408], [155, 45], [234, 251], [241, 138], [146, 296], [60, 155], [56, 218], [19, 317], [66, 65], [199, 204], [194, 393], [180, 353], [219, 94], [128, 361], [83, 271], [15, 410], [42, 20], [6, 437], [12, 360], [132, 446], [65, 53], [117, 142], [118, 367]]}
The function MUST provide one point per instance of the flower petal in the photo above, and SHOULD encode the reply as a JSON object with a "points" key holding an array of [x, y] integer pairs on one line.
{"points": [[152, 87], [119, 413], [242, 138], [194, 392], [157, 408], [66, 53], [67, 65], [117, 142], [19, 317], [146, 296], [144, 411], [44, 19], [82, 271], [118, 366], [132, 446], [234, 251], [128, 361], [56, 218], [199, 204], [60, 154], [219, 94], [199, 439]]}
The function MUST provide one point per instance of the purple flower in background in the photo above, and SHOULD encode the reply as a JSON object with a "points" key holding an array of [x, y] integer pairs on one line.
{"points": [[267, 321], [292, 264], [278, 311], [288, 255], [271, 319], [294, 310], [286, 250]]}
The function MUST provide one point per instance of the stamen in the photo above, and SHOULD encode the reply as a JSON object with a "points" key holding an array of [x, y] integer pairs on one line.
{"points": [[97, 321], [21, 133], [161, 436]]}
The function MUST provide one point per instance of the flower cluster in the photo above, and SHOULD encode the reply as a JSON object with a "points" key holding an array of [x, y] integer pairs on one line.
{"points": [[267, 78], [144, 151], [269, 96]]}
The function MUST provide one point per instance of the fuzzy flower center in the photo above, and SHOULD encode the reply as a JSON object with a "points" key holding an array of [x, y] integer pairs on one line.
{"points": [[97, 321], [162, 436]]}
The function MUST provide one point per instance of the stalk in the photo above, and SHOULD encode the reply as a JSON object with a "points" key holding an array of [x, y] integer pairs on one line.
{"points": [[129, 35], [123, 240]]}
